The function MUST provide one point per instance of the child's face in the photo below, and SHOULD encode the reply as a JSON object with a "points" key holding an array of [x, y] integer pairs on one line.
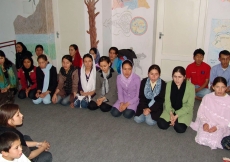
{"points": [[15, 151], [198, 58], [16, 120]]}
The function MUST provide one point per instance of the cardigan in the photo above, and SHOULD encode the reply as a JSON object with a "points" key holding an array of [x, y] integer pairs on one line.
{"points": [[61, 80], [157, 107], [128, 94], [23, 80], [111, 96], [53, 79], [185, 113]]}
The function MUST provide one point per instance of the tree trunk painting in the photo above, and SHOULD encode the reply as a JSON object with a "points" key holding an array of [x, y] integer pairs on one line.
{"points": [[92, 22]]}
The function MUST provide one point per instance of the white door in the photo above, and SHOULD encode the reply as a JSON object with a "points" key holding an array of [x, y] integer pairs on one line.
{"points": [[69, 24], [182, 23]]}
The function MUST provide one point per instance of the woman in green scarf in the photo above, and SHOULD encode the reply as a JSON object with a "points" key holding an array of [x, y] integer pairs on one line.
{"points": [[8, 80]]}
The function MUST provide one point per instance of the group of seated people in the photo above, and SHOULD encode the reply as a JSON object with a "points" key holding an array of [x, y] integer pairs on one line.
{"points": [[111, 85]]}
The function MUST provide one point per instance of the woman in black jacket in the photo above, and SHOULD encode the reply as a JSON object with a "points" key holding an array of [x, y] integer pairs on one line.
{"points": [[21, 52], [46, 76]]}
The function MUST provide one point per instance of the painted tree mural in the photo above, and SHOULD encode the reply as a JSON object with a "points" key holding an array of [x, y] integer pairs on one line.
{"points": [[92, 22]]}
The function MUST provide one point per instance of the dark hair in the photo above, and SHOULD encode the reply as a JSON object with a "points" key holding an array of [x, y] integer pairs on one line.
{"points": [[219, 79], [6, 140], [179, 69], [115, 49], [74, 46], [87, 55], [104, 58], [156, 67], [23, 46], [7, 64], [127, 62], [39, 46], [198, 51], [94, 50], [7, 111], [28, 58], [42, 56], [224, 52], [67, 57]]}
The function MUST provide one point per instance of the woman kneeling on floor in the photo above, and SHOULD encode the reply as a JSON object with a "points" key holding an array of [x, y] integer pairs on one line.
{"points": [[152, 96], [87, 82], [46, 75], [67, 83], [10, 117], [28, 80], [106, 87], [213, 116], [179, 102], [128, 85]]}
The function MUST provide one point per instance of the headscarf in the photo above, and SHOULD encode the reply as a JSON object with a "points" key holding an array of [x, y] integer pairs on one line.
{"points": [[90, 85], [77, 62], [125, 80], [46, 80], [97, 57], [105, 84], [27, 71]]}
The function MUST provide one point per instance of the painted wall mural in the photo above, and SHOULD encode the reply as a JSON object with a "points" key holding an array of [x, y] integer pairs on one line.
{"points": [[130, 4], [37, 28], [92, 22]]}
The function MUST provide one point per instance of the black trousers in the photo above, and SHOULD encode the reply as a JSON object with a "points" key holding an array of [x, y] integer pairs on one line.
{"points": [[127, 113], [178, 127], [104, 106], [31, 94]]}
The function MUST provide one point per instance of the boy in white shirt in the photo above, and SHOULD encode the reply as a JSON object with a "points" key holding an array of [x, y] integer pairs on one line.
{"points": [[10, 148]]}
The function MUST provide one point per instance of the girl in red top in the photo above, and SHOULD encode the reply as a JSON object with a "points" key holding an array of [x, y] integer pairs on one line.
{"points": [[74, 52], [27, 79]]}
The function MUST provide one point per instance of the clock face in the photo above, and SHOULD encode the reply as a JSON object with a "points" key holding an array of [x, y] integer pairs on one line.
{"points": [[138, 25]]}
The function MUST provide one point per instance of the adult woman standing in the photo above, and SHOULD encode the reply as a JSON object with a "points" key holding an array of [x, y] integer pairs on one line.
{"points": [[67, 87], [21, 52], [27, 79], [128, 85], [213, 116], [76, 57], [179, 102], [87, 82], [46, 75], [152, 97], [96, 55], [8, 80], [106, 87], [10, 118], [116, 62]]}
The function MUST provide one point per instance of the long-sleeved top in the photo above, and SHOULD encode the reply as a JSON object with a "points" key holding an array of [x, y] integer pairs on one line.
{"points": [[213, 110], [23, 80], [61, 81], [217, 70], [185, 113], [111, 96], [128, 94], [53, 79], [157, 107]]}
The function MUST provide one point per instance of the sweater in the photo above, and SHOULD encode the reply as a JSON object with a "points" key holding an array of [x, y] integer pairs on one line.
{"points": [[157, 107], [185, 113], [111, 96], [53, 79]]}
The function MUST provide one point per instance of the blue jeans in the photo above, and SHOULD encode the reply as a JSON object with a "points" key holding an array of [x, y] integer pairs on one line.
{"points": [[81, 104], [148, 119], [45, 100], [203, 92], [63, 101]]}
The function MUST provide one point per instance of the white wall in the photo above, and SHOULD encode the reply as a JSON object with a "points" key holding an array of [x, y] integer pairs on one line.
{"points": [[217, 9], [122, 38]]}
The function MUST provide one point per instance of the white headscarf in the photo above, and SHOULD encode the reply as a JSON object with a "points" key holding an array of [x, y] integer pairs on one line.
{"points": [[91, 84]]}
